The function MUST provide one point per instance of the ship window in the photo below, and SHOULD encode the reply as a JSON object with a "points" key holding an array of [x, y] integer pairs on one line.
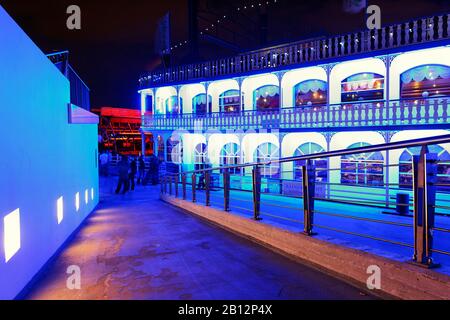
{"points": [[362, 169], [320, 164], [265, 153], [199, 104], [406, 169], [174, 152], [425, 81], [200, 156], [230, 101], [362, 87], [230, 156], [267, 98], [310, 93], [172, 106]]}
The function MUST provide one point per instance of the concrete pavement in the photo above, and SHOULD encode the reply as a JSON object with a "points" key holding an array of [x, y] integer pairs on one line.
{"points": [[137, 247]]}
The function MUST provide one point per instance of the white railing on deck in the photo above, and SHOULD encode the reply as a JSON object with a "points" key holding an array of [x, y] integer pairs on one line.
{"points": [[417, 31], [430, 111]]}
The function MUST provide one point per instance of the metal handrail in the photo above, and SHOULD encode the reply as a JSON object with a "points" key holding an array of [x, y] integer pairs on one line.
{"points": [[330, 154], [424, 193]]}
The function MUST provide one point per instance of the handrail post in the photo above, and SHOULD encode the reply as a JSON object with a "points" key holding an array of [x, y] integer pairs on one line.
{"points": [[194, 186], [170, 184], [161, 184], [309, 190], [256, 175], [208, 188], [226, 189], [176, 185], [164, 183], [425, 177], [183, 183]]}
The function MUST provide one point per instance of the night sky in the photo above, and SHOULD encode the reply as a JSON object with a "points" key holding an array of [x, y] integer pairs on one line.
{"points": [[115, 45]]}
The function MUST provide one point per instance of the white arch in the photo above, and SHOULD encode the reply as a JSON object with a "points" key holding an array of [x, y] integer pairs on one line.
{"points": [[190, 141], [144, 93], [294, 140], [406, 61], [216, 143], [216, 88], [188, 92], [250, 84], [349, 68], [252, 141], [177, 150], [394, 155], [343, 140], [294, 77], [161, 95]]}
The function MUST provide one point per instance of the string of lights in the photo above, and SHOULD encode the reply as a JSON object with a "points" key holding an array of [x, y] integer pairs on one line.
{"points": [[219, 21]]}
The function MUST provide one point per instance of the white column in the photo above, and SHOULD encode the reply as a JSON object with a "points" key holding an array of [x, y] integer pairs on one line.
{"points": [[153, 103], [143, 102], [241, 98], [328, 69], [207, 97], [178, 100], [280, 80], [388, 80]]}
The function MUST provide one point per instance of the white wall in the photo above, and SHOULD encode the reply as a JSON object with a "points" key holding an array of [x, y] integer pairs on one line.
{"points": [[162, 94], [43, 157], [343, 140], [252, 141], [394, 155], [406, 61], [250, 84], [217, 88], [190, 142], [294, 77], [216, 142], [292, 141], [144, 94], [346, 69], [188, 92]]}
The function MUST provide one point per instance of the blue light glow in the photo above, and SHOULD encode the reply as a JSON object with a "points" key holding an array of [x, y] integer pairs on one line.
{"points": [[11, 232], [60, 209], [77, 201]]}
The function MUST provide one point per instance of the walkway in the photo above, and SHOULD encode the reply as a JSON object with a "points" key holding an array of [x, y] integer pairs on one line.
{"points": [[137, 247], [361, 227]]}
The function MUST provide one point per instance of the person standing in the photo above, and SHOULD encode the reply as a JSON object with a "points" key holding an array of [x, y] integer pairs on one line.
{"points": [[154, 168], [104, 164], [201, 182], [141, 173], [133, 171], [123, 175]]}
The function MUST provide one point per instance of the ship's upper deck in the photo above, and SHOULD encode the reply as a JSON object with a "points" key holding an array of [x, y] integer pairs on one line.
{"points": [[417, 32]]}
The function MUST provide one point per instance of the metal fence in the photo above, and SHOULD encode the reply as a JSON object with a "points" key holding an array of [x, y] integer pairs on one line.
{"points": [[422, 226]]}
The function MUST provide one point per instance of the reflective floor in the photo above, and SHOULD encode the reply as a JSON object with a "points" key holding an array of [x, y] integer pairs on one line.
{"points": [[137, 247]]}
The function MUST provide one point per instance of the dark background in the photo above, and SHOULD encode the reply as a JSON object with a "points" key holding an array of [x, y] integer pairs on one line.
{"points": [[115, 45]]}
